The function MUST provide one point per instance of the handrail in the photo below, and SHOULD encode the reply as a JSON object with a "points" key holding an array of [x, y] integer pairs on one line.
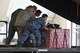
{"points": [[3, 21], [6, 28]]}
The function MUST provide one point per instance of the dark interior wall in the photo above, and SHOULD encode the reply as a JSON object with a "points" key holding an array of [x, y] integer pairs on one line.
{"points": [[79, 13], [64, 8], [77, 1]]}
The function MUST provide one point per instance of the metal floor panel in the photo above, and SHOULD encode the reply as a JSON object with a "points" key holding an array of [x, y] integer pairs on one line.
{"points": [[21, 49]]}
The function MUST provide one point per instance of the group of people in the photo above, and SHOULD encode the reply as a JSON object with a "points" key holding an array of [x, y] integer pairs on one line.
{"points": [[26, 24]]}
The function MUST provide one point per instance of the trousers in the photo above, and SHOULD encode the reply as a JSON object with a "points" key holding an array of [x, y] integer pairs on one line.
{"points": [[12, 30], [26, 34]]}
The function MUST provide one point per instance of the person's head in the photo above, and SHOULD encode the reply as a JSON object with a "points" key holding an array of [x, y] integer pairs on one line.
{"points": [[28, 7], [34, 8], [38, 13], [31, 8], [45, 16]]}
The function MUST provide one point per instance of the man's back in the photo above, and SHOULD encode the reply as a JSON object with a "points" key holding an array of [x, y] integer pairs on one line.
{"points": [[13, 16], [24, 17], [38, 23]]}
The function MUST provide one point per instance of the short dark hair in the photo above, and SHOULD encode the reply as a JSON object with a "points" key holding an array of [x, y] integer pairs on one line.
{"points": [[38, 11], [34, 7], [30, 6], [44, 15]]}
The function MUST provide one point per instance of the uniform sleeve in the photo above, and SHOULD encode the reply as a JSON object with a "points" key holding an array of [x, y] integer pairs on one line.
{"points": [[32, 17], [43, 23]]}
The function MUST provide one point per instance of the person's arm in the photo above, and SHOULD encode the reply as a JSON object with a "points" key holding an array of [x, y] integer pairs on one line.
{"points": [[32, 17], [45, 28]]}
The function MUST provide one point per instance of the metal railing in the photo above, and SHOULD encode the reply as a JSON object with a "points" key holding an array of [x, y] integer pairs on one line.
{"points": [[6, 28]]}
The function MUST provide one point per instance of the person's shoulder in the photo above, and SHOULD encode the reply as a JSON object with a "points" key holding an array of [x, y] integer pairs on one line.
{"points": [[39, 19], [22, 11], [19, 9]]}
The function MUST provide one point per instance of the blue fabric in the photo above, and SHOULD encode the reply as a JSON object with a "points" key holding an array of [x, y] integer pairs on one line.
{"points": [[26, 35], [34, 28], [38, 23]]}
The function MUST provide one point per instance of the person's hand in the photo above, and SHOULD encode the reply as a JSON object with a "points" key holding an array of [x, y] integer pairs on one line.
{"points": [[50, 29], [46, 28]]}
